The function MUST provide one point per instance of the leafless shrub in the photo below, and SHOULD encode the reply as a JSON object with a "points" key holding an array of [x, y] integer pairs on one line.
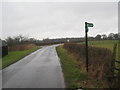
{"points": [[99, 59], [21, 47]]}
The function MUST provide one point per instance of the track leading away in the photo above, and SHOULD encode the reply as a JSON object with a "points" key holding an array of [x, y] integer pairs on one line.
{"points": [[41, 69]]}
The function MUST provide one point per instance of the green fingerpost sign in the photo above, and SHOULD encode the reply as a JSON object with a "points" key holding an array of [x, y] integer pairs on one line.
{"points": [[89, 25]]}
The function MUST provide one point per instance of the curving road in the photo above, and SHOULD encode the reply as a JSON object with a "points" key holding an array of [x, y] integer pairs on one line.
{"points": [[41, 69]]}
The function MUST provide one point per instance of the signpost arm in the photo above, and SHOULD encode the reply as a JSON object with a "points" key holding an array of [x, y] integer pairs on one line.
{"points": [[86, 45]]}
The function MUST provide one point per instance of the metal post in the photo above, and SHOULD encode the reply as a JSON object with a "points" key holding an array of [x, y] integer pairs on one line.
{"points": [[86, 45]]}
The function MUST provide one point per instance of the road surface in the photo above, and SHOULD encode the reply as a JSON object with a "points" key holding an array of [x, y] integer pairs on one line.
{"points": [[41, 69]]}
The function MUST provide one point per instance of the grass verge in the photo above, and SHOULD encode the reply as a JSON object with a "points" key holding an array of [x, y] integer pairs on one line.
{"points": [[73, 75], [14, 56]]}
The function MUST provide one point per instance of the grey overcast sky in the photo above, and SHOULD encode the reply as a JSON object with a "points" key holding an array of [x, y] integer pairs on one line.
{"points": [[58, 19]]}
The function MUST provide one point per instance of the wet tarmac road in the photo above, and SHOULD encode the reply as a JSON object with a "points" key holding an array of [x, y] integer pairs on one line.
{"points": [[41, 69]]}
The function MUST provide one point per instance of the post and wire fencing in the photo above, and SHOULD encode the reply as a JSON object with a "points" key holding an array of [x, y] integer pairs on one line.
{"points": [[114, 61], [114, 78]]}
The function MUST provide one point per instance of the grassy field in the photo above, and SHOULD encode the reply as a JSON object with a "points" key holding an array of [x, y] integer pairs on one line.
{"points": [[102, 42], [14, 56]]}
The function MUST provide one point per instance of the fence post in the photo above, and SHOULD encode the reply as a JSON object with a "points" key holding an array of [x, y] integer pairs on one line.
{"points": [[113, 58]]}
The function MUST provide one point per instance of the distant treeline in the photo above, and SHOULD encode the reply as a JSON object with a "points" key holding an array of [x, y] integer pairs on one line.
{"points": [[25, 40]]}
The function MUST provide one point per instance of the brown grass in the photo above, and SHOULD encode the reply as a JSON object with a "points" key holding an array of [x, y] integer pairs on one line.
{"points": [[99, 59], [21, 47]]}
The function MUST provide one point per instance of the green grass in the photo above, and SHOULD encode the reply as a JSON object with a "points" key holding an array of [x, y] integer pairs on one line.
{"points": [[102, 42], [14, 56], [72, 73]]}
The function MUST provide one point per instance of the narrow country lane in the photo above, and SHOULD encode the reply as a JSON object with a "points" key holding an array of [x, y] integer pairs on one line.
{"points": [[41, 69]]}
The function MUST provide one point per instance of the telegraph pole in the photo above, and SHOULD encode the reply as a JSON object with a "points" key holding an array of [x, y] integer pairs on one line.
{"points": [[86, 42]]}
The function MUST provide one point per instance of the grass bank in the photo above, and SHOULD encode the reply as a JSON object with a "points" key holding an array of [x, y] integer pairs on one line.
{"points": [[73, 65], [74, 77], [14, 56]]}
